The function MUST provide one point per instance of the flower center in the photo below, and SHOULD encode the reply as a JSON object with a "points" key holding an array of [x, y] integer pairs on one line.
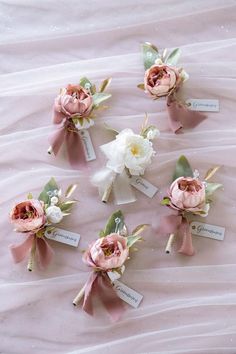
{"points": [[135, 150]]}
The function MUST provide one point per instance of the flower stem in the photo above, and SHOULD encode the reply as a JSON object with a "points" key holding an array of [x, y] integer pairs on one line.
{"points": [[107, 193], [79, 296], [32, 256], [50, 150], [169, 243]]}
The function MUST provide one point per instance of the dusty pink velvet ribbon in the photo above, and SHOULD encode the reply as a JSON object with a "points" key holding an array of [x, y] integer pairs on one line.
{"points": [[179, 115], [44, 252], [100, 284], [173, 223], [68, 134]]}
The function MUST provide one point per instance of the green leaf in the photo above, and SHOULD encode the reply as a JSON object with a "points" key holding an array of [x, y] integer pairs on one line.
{"points": [[99, 97], [85, 83], [141, 86], [131, 240], [66, 206], [115, 223], [105, 84], [211, 188], [182, 168], [51, 186], [150, 54], [30, 196], [70, 190], [165, 201], [173, 57], [139, 229]]}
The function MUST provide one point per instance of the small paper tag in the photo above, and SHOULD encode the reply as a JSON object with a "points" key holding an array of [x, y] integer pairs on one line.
{"points": [[63, 236], [127, 294], [143, 186], [207, 230], [87, 145], [203, 105]]}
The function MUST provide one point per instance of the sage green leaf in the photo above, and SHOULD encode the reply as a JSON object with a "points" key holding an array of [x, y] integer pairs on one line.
{"points": [[173, 57], [99, 97], [139, 229], [211, 188], [85, 83], [66, 206], [150, 54], [165, 201], [51, 186], [30, 196], [70, 190], [115, 223], [210, 173], [182, 168], [105, 84], [131, 240]]}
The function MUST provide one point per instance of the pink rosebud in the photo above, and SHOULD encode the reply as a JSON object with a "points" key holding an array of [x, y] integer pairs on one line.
{"points": [[28, 215], [187, 193], [74, 101], [107, 253], [161, 80]]}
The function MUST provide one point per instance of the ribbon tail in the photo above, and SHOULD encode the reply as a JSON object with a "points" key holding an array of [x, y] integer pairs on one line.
{"points": [[88, 293], [44, 252], [174, 114], [123, 191], [19, 252], [113, 304], [169, 224], [57, 139], [187, 243], [75, 149]]}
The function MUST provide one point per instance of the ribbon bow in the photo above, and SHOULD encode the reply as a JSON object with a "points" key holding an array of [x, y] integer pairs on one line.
{"points": [[100, 284], [179, 113], [68, 133], [43, 250], [178, 223]]}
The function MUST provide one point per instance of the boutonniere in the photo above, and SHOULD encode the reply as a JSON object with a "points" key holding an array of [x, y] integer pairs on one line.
{"points": [[188, 196], [35, 217], [163, 78], [129, 154], [107, 256], [74, 111]]}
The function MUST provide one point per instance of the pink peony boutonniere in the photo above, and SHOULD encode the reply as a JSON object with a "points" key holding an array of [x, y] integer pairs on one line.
{"points": [[187, 196], [35, 217], [107, 256]]}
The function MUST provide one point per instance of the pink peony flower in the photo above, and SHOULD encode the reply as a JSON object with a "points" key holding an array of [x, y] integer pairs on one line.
{"points": [[107, 253], [188, 194], [73, 101], [28, 215], [161, 80]]}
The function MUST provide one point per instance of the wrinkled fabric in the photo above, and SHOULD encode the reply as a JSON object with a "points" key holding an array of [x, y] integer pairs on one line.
{"points": [[189, 303]]}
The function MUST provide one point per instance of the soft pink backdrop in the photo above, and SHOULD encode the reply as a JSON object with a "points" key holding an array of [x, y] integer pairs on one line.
{"points": [[189, 303]]}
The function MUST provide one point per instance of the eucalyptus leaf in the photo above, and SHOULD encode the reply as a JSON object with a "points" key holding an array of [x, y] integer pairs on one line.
{"points": [[105, 84], [173, 57], [150, 54], [139, 229], [182, 168], [99, 97], [51, 186], [70, 190], [85, 83], [211, 188], [115, 223], [131, 240]]}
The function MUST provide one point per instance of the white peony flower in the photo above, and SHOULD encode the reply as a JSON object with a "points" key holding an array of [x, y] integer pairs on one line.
{"points": [[54, 214], [128, 150], [54, 200]]}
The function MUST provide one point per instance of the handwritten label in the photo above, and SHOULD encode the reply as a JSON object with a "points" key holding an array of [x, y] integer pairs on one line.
{"points": [[127, 294], [203, 105], [63, 236], [87, 145], [143, 186], [207, 230]]}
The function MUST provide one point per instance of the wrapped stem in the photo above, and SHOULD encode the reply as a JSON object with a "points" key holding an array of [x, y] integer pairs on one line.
{"points": [[169, 243], [32, 256], [50, 150], [107, 193], [79, 296]]}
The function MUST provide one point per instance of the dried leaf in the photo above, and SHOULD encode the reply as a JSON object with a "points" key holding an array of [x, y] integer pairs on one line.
{"points": [[70, 190], [139, 229], [141, 86], [30, 196], [210, 173], [105, 84], [108, 127]]}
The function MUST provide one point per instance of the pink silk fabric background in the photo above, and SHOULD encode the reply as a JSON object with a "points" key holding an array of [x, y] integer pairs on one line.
{"points": [[189, 303]]}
